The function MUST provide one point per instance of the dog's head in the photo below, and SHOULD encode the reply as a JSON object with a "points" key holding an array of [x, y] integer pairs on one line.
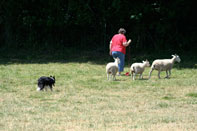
{"points": [[53, 79]]}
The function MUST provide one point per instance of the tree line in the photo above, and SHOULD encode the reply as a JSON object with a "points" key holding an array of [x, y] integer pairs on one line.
{"points": [[90, 24]]}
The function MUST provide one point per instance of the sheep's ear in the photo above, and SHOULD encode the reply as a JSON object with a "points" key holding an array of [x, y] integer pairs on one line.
{"points": [[143, 61], [173, 55]]}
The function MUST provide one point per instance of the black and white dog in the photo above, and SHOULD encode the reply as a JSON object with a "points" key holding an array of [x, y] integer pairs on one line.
{"points": [[44, 82]]}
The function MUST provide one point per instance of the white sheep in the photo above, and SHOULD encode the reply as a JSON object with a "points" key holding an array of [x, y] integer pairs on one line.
{"points": [[112, 68], [138, 68], [164, 65]]}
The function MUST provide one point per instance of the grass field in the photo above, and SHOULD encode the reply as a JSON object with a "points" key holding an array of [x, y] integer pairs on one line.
{"points": [[83, 99]]}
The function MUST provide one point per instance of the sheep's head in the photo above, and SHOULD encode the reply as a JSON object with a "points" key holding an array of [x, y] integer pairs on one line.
{"points": [[147, 64], [177, 58], [117, 60]]}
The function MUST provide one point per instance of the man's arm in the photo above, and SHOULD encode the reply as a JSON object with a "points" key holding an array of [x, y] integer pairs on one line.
{"points": [[110, 53], [127, 43]]}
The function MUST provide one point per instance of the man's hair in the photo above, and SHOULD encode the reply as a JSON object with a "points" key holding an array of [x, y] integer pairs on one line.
{"points": [[122, 31]]}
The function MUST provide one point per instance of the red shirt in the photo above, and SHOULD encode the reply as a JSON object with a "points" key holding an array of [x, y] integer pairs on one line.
{"points": [[117, 43]]}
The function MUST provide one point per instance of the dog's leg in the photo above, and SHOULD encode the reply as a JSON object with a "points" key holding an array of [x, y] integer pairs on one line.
{"points": [[41, 87], [46, 88], [51, 87]]}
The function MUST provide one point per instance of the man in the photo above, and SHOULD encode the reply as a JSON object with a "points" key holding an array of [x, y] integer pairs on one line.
{"points": [[118, 46]]}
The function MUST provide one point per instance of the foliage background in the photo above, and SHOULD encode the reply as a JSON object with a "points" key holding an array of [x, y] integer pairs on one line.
{"points": [[59, 25]]}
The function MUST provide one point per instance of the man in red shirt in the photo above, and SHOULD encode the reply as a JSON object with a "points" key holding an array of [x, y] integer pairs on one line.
{"points": [[118, 46]]}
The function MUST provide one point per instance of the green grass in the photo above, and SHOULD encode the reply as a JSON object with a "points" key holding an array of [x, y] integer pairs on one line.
{"points": [[83, 99], [193, 94]]}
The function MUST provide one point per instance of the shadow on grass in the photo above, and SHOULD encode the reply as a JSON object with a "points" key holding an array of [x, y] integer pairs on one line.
{"points": [[120, 80], [94, 57], [116, 80], [26, 57], [144, 79]]}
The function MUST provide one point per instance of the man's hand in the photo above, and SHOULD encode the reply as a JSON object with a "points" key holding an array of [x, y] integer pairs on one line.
{"points": [[127, 43], [110, 53]]}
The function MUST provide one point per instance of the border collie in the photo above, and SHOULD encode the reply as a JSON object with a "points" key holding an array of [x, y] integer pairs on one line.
{"points": [[45, 81]]}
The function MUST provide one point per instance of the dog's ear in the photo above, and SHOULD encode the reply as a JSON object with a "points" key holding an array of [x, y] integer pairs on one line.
{"points": [[54, 77]]}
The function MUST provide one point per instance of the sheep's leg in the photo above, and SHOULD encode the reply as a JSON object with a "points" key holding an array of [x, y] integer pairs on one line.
{"points": [[114, 77], [166, 74], [131, 74], [169, 73], [141, 77], [108, 76], [159, 74], [134, 76], [150, 73]]}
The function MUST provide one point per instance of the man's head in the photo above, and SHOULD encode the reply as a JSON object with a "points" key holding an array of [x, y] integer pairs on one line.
{"points": [[122, 31]]}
